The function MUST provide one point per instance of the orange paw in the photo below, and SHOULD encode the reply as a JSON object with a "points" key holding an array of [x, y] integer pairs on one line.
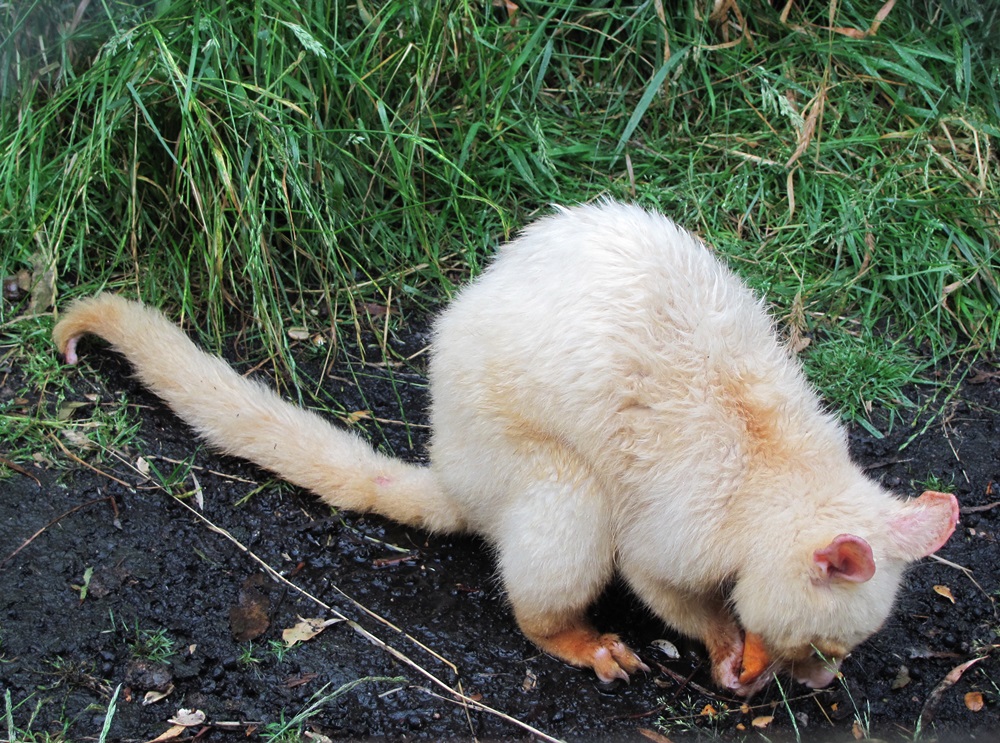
{"points": [[735, 669], [581, 646]]}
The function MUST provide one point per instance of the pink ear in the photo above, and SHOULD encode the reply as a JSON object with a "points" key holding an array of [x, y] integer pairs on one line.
{"points": [[924, 524], [847, 557]]}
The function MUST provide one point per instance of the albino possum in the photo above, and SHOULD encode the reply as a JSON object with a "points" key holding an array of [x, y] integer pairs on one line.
{"points": [[607, 397]]}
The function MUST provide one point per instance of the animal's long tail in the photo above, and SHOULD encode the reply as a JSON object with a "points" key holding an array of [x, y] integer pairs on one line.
{"points": [[243, 417]]}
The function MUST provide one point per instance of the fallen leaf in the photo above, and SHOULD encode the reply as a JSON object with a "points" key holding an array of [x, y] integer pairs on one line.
{"points": [[170, 734], [815, 107], [301, 679], [298, 334], [708, 711], [944, 591], [142, 466], [858, 731], [358, 415], [653, 735], [197, 494], [902, 678], [762, 722], [67, 409], [929, 712], [667, 648], [153, 696], [249, 618], [530, 681], [77, 439], [43, 289], [305, 630], [188, 717], [974, 701]]}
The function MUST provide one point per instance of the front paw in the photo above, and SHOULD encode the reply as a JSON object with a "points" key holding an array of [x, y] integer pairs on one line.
{"points": [[735, 669]]}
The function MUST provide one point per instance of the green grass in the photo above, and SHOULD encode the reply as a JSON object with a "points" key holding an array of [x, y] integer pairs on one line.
{"points": [[856, 372], [153, 645], [257, 166], [291, 729]]}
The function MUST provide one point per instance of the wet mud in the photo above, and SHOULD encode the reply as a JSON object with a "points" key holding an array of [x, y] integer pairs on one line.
{"points": [[423, 614]]}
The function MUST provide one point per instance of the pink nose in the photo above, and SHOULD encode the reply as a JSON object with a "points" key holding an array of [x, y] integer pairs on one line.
{"points": [[817, 678]]}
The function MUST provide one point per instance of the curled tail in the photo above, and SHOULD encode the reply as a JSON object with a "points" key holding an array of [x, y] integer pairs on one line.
{"points": [[243, 417]]}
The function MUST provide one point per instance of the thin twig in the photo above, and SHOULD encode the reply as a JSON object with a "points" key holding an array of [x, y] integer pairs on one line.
{"points": [[501, 715], [18, 468], [979, 509], [77, 459], [34, 536], [459, 697]]}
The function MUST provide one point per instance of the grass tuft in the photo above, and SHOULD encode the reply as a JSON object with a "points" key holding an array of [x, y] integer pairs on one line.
{"points": [[258, 166]]}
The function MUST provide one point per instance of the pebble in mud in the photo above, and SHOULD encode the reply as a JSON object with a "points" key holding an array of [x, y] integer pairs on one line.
{"points": [[148, 675]]}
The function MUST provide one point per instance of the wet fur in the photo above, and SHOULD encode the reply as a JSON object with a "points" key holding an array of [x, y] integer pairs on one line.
{"points": [[607, 397]]}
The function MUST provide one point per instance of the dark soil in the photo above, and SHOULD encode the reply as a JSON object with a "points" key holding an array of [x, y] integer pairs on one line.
{"points": [[157, 567]]}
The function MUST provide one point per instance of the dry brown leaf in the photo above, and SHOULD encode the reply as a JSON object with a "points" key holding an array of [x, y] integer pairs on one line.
{"points": [[709, 711], [67, 409], [809, 125], [298, 334], [77, 439], [305, 630], [853, 33], [653, 735], [902, 678], [188, 717], [43, 289], [530, 682], [762, 722], [974, 701], [358, 415], [944, 591], [250, 617], [882, 14], [153, 696], [169, 734], [857, 730], [929, 712]]}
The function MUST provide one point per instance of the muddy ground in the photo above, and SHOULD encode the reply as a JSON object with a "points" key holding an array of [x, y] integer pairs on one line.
{"points": [[152, 568]]}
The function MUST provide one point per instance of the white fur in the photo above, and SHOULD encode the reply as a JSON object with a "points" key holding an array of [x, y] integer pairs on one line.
{"points": [[606, 397]]}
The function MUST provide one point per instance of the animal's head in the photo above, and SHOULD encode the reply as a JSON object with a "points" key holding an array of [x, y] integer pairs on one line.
{"points": [[834, 590]]}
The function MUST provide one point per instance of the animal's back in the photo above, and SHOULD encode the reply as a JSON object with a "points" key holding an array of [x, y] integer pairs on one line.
{"points": [[611, 330]]}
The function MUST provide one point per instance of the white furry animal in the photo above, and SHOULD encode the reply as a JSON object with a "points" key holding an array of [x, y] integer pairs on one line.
{"points": [[607, 398]]}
